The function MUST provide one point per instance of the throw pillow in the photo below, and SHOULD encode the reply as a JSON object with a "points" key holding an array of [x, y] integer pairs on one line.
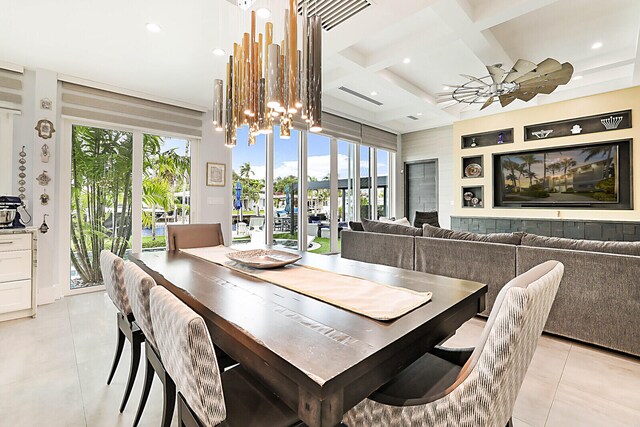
{"points": [[402, 221], [610, 247], [355, 226], [388, 228], [441, 233], [429, 217]]}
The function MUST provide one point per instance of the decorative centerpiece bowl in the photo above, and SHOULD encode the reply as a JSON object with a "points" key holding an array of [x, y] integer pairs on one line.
{"points": [[263, 258]]}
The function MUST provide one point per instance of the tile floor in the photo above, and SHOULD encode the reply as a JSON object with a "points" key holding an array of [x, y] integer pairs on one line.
{"points": [[53, 371]]}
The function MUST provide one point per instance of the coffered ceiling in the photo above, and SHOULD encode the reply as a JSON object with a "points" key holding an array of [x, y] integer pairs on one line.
{"points": [[399, 53]]}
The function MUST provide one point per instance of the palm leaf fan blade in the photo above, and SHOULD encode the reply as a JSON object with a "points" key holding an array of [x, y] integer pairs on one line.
{"points": [[520, 68]]}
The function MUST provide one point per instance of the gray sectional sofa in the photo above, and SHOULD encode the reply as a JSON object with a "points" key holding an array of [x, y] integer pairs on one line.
{"points": [[599, 297]]}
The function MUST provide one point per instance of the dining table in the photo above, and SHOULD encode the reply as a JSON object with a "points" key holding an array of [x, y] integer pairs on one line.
{"points": [[318, 358]]}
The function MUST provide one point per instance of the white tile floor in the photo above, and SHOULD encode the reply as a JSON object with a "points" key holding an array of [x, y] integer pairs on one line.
{"points": [[53, 371]]}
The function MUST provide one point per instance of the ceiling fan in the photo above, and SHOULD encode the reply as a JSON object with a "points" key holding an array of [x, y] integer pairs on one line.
{"points": [[523, 81]]}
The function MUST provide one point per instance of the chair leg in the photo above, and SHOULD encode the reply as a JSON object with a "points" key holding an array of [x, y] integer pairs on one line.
{"points": [[133, 369], [148, 380], [510, 422], [169, 401], [116, 357]]}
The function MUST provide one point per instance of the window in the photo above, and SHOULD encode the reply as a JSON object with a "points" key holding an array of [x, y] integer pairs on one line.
{"points": [[366, 184], [318, 194], [346, 181], [383, 197], [285, 189]]}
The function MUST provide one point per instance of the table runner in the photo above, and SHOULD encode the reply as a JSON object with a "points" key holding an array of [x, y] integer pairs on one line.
{"points": [[371, 299]]}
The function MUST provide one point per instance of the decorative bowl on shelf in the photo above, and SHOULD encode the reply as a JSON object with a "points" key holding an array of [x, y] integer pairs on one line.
{"points": [[468, 196], [263, 258], [473, 170]]}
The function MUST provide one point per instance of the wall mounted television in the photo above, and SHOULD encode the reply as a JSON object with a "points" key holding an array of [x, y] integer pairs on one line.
{"points": [[597, 176]]}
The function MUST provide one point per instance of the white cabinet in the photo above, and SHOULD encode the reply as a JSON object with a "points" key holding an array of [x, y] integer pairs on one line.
{"points": [[17, 273]]}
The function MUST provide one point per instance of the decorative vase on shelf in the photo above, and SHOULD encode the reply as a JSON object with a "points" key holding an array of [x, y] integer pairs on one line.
{"points": [[501, 138]]}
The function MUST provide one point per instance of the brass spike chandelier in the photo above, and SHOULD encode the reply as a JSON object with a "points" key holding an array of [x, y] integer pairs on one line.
{"points": [[269, 83]]}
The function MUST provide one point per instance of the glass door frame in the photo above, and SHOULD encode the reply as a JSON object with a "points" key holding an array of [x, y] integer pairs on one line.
{"points": [[63, 216]]}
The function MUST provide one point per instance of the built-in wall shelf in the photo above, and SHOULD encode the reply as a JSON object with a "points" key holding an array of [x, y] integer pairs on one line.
{"points": [[471, 165], [472, 193], [487, 139], [578, 126]]}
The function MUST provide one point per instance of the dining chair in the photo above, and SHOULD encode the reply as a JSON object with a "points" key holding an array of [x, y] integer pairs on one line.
{"points": [[183, 236], [138, 284], [207, 397], [112, 268], [470, 387]]}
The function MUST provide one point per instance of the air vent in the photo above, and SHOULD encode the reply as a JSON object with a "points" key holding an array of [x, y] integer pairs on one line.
{"points": [[242, 4], [359, 95], [412, 118], [334, 12]]}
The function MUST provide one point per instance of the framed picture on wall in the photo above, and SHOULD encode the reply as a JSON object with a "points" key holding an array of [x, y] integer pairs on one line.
{"points": [[216, 174]]}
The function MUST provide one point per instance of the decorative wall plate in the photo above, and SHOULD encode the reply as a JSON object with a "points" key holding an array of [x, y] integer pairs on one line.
{"points": [[468, 196], [473, 170], [44, 198], [46, 104], [44, 227], [22, 175], [475, 201], [45, 129], [45, 154]]}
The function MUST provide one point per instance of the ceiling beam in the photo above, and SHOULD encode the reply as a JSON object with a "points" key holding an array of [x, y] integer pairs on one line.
{"points": [[495, 13], [636, 66]]}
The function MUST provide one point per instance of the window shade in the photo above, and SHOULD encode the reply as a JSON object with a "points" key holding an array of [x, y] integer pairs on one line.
{"points": [[105, 106], [10, 89], [379, 138], [341, 128]]}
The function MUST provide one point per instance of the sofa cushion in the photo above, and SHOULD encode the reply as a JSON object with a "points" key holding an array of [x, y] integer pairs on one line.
{"points": [[428, 217], [388, 228], [356, 226], [442, 233], [620, 248]]}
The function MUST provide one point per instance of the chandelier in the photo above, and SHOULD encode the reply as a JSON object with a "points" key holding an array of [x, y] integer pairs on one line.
{"points": [[268, 83]]}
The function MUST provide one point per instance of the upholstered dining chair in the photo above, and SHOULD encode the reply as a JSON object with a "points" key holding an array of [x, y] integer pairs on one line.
{"points": [[138, 284], [470, 387], [185, 236], [112, 267], [205, 396]]}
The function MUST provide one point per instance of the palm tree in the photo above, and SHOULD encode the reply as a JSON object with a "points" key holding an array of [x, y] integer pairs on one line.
{"points": [[553, 168], [566, 164], [529, 160], [156, 193], [245, 170], [607, 151], [512, 167], [522, 170]]}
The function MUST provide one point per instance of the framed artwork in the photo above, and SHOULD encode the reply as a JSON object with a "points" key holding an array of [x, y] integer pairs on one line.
{"points": [[45, 129], [216, 174]]}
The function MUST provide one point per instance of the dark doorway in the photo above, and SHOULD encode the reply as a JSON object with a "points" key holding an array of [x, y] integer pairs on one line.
{"points": [[421, 187]]}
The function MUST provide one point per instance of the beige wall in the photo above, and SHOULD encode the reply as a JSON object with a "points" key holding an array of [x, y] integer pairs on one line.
{"points": [[426, 145], [591, 105]]}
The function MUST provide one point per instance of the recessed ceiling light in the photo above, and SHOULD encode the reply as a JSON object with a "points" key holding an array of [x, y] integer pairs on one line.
{"points": [[596, 45], [406, 60], [219, 52], [153, 28], [263, 13], [374, 93], [418, 114], [577, 77], [445, 88]]}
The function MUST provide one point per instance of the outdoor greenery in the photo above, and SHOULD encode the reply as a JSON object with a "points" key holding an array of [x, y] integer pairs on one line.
{"points": [[251, 187], [101, 196]]}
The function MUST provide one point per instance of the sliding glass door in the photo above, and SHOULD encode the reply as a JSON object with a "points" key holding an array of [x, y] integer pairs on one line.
{"points": [[101, 199]]}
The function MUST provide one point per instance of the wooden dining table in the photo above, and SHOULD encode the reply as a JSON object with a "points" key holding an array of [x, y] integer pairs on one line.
{"points": [[321, 360]]}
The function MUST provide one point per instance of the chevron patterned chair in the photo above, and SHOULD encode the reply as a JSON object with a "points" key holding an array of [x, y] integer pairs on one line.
{"points": [[112, 267], [470, 387], [207, 398]]}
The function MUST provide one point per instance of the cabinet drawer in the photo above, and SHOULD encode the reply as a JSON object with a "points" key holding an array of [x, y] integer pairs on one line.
{"points": [[15, 266], [15, 296], [15, 242]]}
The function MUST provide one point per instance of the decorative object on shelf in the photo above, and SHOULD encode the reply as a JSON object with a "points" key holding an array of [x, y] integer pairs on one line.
{"points": [[43, 179], [587, 124], [263, 258], [45, 154], [523, 81], [468, 196], [475, 202], [46, 104], [216, 174], [473, 170], [44, 198], [473, 142], [501, 138], [45, 129], [269, 82], [541, 134], [612, 122], [44, 227], [22, 175]]}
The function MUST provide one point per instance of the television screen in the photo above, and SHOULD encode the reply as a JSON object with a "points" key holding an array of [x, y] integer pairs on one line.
{"points": [[565, 175]]}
